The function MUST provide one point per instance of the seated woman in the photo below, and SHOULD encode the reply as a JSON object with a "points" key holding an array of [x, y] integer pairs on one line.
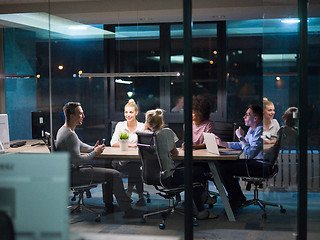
{"points": [[200, 121], [167, 147], [132, 169], [270, 125], [289, 132]]}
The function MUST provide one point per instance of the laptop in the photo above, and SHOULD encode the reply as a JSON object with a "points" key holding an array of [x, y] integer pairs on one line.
{"points": [[212, 146]]}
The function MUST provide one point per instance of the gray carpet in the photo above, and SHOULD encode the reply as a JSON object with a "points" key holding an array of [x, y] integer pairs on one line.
{"points": [[249, 222]]}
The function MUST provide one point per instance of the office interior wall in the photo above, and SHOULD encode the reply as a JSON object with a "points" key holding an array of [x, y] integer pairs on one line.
{"points": [[2, 81], [19, 57]]}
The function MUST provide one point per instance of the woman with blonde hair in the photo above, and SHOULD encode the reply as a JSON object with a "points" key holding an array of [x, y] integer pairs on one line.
{"points": [[270, 125], [172, 177], [132, 169]]}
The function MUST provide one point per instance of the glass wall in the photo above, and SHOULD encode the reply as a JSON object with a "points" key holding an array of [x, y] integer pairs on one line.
{"points": [[261, 61]]}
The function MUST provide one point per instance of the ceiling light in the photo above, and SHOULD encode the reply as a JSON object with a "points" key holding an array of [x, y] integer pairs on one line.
{"points": [[133, 74], [290, 20], [54, 24]]}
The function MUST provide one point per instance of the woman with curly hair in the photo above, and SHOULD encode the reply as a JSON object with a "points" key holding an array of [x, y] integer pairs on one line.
{"points": [[200, 121]]}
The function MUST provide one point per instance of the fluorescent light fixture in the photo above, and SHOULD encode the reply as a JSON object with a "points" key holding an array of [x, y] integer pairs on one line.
{"points": [[57, 24], [15, 76], [179, 59], [123, 81], [290, 20], [286, 57], [133, 74]]}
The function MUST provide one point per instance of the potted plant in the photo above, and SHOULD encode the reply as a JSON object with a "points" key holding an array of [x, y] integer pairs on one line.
{"points": [[124, 141]]}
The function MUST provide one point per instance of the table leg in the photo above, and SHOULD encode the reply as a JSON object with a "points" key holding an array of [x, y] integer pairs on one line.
{"points": [[221, 190]]}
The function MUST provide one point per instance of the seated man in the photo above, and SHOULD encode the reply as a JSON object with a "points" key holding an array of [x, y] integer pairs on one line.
{"points": [[252, 146], [67, 140]]}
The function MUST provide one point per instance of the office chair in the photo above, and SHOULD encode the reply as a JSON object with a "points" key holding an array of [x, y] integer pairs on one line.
{"points": [[270, 162], [225, 130], [77, 190], [151, 174], [146, 194]]}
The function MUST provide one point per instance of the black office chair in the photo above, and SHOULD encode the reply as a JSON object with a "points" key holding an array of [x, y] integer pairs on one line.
{"points": [[270, 163], [152, 172], [225, 130], [77, 190]]}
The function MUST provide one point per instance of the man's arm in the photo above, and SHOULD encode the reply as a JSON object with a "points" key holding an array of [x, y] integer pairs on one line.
{"points": [[254, 144]]}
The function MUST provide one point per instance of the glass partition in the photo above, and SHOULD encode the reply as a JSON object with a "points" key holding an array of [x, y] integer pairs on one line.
{"points": [[46, 48]]}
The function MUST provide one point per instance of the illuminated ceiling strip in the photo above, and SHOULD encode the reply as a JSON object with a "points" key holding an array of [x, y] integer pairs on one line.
{"points": [[133, 74], [15, 76], [57, 24]]}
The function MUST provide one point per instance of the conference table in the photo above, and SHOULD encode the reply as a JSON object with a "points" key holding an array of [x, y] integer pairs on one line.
{"points": [[114, 153]]}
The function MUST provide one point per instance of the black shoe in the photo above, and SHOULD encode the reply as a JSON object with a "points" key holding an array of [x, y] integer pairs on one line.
{"points": [[133, 213], [141, 202], [110, 208], [236, 205]]}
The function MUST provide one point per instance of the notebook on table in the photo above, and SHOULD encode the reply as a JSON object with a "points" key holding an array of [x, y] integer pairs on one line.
{"points": [[212, 146]]}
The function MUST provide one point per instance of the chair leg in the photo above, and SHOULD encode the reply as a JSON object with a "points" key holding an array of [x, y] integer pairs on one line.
{"points": [[262, 204], [165, 212], [82, 206]]}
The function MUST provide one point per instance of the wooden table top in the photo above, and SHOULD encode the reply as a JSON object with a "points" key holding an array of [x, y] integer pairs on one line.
{"points": [[131, 153]]}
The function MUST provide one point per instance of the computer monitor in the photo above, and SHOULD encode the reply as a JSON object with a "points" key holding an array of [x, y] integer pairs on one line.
{"points": [[4, 131], [34, 193], [40, 124]]}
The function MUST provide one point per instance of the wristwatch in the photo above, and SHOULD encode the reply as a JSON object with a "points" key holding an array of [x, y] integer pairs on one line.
{"points": [[241, 139]]}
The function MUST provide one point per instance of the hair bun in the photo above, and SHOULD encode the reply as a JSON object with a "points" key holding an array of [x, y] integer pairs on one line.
{"points": [[159, 112], [131, 101]]}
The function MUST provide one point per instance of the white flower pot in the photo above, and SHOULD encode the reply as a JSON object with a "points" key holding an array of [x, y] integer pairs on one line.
{"points": [[124, 145]]}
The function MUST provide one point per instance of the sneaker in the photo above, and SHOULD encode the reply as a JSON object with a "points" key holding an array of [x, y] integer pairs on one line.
{"points": [[133, 213], [206, 215], [141, 202]]}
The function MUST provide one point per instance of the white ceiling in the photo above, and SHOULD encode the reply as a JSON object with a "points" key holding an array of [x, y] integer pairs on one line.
{"points": [[149, 11]]}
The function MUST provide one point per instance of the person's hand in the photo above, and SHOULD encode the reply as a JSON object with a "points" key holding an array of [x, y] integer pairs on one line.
{"points": [[219, 141], [96, 145], [240, 132], [99, 148], [182, 146]]}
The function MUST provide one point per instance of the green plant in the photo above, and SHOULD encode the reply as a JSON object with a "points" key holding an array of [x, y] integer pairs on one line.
{"points": [[124, 136]]}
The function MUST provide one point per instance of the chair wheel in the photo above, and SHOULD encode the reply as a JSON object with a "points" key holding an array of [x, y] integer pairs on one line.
{"points": [[282, 210], [98, 219], [195, 223], [143, 220], [148, 200], [162, 226]]}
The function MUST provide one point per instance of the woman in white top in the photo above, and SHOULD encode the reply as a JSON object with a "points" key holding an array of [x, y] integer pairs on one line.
{"points": [[270, 125], [166, 140], [132, 169]]}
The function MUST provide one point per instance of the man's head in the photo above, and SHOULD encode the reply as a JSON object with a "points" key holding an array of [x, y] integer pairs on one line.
{"points": [[253, 116], [73, 113]]}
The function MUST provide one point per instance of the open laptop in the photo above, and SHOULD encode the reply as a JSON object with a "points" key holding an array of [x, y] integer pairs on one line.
{"points": [[212, 146]]}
